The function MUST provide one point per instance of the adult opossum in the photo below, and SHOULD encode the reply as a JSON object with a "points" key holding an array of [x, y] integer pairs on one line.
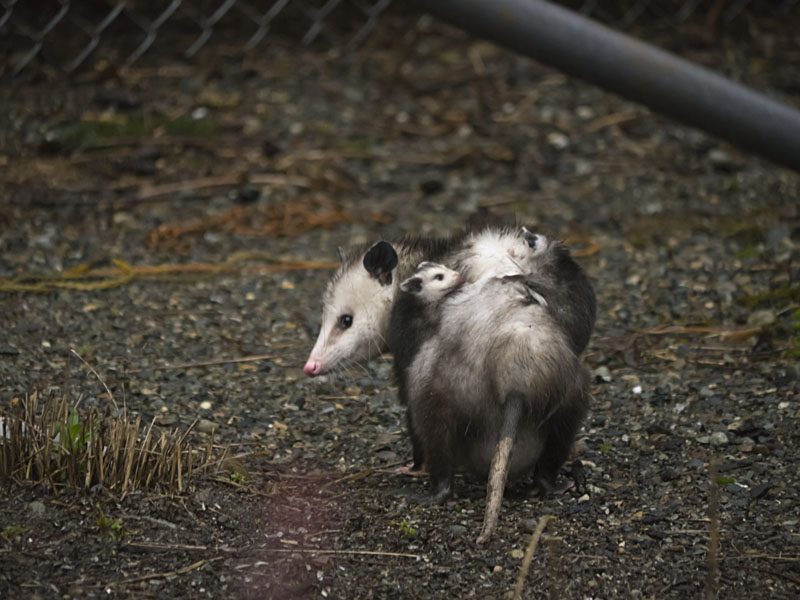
{"points": [[498, 373], [358, 300]]}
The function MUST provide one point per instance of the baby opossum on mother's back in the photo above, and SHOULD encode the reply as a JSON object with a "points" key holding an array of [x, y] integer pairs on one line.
{"points": [[498, 373], [415, 319]]}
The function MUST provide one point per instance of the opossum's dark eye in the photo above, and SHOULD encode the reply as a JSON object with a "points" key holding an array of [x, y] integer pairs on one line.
{"points": [[345, 321], [438, 277]]}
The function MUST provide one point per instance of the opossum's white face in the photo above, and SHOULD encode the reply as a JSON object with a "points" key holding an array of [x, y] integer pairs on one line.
{"points": [[432, 282], [355, 314]]}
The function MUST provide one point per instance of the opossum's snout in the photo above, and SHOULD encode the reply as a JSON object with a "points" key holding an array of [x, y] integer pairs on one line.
{"points": [[313, 367]]}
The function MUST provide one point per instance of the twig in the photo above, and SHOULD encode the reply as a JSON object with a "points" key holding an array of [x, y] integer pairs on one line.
{"points": [[354, 552], [181, 571], [100, 379], [157, 546], [148, 192], [526, 561], [208, 363], [713, 532]]}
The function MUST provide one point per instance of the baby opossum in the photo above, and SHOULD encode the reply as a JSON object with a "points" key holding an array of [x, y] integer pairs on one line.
{"points": [[359, 297], [499, 372], [571, 299], [415, 319]]}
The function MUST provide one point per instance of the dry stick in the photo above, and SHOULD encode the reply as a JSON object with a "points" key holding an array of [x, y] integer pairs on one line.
{"points": [[209, 363], [526, 561], [114, 402], [498, 471], [355, 552], [180, 571], [713, 532]]}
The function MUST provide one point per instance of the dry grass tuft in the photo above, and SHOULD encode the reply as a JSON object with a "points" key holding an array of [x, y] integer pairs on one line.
{"points": [[46, 441]]}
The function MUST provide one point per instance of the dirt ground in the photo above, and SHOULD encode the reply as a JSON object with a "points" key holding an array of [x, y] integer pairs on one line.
{"points": [[233, 164]]}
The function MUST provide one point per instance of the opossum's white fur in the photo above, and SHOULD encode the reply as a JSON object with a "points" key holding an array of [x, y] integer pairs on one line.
{"points": [[370, 305], [493, 252], [492, 341], [431, 282], [353, 291]]}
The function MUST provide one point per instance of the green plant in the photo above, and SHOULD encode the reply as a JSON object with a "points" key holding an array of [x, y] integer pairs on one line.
{"points": [[238, 478], [406, 530], [13, 532], [725, 480], [74, 434], [112, 527]]}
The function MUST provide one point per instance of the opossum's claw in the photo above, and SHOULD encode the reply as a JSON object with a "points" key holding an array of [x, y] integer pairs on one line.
{"points": [[442, 492], [412, 469], [544, 487]]}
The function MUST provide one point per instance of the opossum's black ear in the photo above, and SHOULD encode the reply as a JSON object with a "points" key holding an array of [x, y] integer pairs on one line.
{"points": [[380, 261], [530, 238], [340, 252], [412, 285]]}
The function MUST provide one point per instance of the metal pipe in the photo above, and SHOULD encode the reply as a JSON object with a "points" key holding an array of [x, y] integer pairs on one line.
{"points": [[636, 70]]}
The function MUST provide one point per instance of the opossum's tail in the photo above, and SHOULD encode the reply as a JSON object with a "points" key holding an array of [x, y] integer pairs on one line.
{"points": [[498, 471]]}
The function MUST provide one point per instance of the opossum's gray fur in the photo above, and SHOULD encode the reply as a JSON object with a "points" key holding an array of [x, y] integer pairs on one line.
{"points": [[493, 341]]}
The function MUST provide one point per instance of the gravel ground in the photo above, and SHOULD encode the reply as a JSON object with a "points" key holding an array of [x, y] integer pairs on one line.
{"points": [[693, 246]]}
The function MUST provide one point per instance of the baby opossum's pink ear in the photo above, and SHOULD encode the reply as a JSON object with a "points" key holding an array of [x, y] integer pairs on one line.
{"points": [[412, 285], [380, 261]]}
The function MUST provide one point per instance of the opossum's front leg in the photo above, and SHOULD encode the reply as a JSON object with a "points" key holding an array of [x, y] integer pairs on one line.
{"points": [[435, 429]]}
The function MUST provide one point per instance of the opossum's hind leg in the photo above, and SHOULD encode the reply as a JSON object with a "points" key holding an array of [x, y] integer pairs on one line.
{"points": [[559, 431], [501, 460]]}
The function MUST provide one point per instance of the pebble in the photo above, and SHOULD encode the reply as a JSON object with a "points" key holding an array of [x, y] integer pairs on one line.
{"points": [[529, 525], [36, 507], [602, 374], [206, 426], [761, 318], [718, 438], [517, 553], [458, 530]]}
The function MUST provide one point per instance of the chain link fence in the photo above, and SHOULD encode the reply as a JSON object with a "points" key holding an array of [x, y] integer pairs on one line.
{"points": [[67, 34]]}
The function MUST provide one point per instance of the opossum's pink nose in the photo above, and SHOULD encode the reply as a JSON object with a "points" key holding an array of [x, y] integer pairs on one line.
{"points": [[313, 367]]}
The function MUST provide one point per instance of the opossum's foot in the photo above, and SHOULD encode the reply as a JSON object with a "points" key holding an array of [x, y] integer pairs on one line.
{"points": [[441, 492], [546, 486], [412, 469]]}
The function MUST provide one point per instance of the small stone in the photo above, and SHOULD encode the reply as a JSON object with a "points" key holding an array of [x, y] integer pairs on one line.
{"points": [[584, 498], [205, 405], [206, 426], [529, 525], [557, 140], [36, 507], [601, 374], [8, 349], [761, 318], [517, 553], [497, 569], [458, 530], [718, 438]]}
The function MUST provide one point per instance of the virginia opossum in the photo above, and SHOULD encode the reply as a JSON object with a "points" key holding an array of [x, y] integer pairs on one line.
{"points": [[552, 271], [358, 300], [415, 319], [499, 373]]}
